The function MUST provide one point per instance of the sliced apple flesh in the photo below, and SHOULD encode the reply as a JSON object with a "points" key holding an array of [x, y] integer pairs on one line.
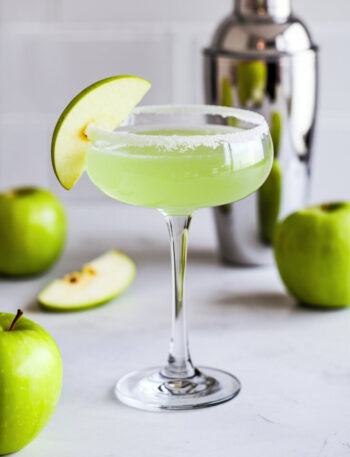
{"points": [[106, 104], [96, 283]]}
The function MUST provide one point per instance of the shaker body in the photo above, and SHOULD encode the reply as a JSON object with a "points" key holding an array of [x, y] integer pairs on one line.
{"points": [[283, 88]]}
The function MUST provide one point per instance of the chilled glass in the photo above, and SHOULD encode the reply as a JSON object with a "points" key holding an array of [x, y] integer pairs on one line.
{"points": [[177, 159]]}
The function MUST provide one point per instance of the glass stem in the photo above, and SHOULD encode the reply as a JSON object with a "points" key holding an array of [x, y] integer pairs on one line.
{"points": [[179, 361]]}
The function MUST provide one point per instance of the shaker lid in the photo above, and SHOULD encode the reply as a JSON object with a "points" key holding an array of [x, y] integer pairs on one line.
{"points": [[251, 31]]}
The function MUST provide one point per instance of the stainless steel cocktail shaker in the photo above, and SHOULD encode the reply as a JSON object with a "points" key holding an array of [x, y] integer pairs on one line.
{"points": [[263, 58]]}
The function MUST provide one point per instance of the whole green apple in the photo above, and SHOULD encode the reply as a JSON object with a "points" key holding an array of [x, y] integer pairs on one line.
{"points": [[312, 250], [30, 380], [32, 230]]}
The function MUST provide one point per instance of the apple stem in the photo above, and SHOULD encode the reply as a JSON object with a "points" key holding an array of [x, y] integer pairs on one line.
{"points": [[15, 320]]}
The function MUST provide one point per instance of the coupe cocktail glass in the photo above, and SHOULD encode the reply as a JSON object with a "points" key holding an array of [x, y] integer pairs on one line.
{"points": [[178, 159]]}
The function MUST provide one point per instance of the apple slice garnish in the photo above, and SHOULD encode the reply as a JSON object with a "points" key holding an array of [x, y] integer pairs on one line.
{"points": [[106, 104], [97, 282]]}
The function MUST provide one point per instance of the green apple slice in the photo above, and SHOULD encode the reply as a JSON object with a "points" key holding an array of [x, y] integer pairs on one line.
{"points": [[98, 282], [106, 104]]}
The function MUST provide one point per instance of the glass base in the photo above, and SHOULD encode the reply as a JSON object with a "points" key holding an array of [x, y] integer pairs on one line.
{"points": [[149, 389]]}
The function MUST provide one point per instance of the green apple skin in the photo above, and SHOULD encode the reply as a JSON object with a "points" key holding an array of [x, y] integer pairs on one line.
{"points": [[269, 202], [269, 198], [226, 93], [227, 100], [32, 231], [252, 80], [312, 250], [276, 131], [30, 381]]}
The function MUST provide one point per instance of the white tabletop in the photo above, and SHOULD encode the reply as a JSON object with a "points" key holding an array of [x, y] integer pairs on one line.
{"points": [[294, 364]]}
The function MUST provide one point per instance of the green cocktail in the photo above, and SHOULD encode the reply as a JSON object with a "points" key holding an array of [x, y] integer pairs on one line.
{"points": [[178, 159], [182, 170]]}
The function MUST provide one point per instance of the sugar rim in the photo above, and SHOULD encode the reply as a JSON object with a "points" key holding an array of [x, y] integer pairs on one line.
{"points": [[255, 132]]}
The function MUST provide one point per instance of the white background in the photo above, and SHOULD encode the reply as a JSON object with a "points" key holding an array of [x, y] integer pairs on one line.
{"points": [[51, 49]]}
